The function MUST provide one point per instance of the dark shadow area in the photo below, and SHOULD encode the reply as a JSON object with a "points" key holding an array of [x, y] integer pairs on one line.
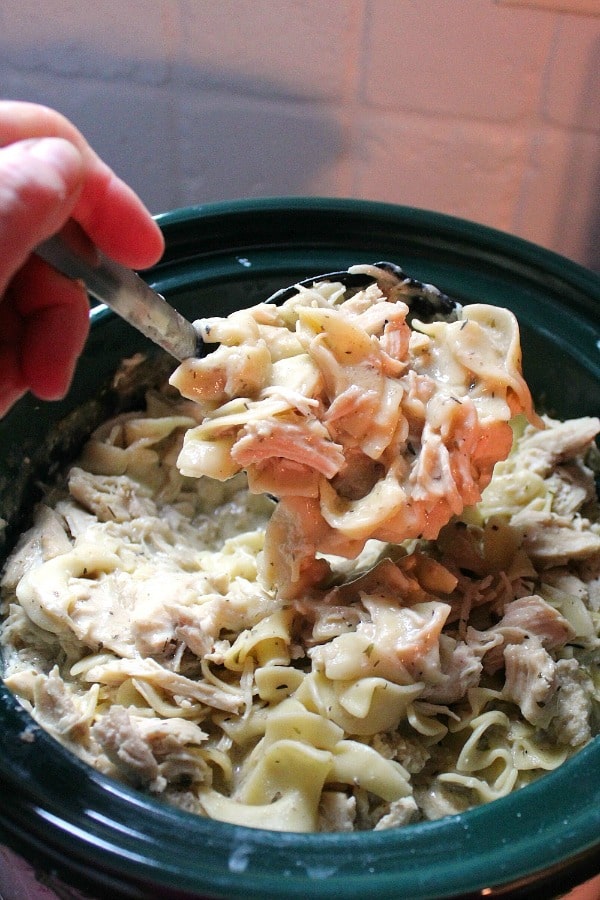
{"points": [[592, 248], [252, 148], [183, 137], [590, 96]]}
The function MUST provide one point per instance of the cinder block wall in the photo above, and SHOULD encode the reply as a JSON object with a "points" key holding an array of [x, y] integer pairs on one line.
{"points": [[487, 109]]}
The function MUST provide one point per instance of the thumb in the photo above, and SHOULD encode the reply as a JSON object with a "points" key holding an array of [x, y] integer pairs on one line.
{"points": [[40, 182]]}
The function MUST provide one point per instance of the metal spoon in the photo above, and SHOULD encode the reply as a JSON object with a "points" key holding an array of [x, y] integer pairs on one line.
{"points": [[72, 253], [425, 302]]}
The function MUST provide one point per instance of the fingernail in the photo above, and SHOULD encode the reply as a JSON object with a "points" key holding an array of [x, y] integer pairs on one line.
{"points": [[56, 152]]}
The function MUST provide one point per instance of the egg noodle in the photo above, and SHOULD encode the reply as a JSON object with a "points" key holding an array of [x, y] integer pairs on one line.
{"points": [[398, 621]]}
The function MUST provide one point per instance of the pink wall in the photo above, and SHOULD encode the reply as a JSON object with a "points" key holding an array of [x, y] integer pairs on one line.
{"points": [[487, 109]]}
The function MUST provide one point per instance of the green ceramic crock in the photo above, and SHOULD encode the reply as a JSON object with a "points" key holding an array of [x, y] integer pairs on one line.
{"points": [[79, 829]]}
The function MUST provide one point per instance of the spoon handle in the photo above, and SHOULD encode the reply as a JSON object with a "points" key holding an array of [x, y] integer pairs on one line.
{"points": [[72, 254]]}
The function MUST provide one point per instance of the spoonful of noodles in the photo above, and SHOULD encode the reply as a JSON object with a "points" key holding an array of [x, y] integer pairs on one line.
{"points": [[369, 404]]}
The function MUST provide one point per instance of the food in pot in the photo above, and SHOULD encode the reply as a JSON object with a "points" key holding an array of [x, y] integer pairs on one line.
{"points": [[435, 652]]}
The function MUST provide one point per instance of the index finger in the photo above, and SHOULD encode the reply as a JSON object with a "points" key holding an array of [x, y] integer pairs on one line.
{"points": [[108, 209]]}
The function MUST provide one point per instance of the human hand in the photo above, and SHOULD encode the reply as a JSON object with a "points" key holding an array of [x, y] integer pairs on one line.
{"points": [[49, 174]]}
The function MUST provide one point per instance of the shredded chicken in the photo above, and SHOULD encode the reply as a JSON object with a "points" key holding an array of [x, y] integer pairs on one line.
{"points": [[523, 619], [110, 498], [401, 812], [530, 678], [337, 812], [571, 722], [125, 746], [554, 540]]}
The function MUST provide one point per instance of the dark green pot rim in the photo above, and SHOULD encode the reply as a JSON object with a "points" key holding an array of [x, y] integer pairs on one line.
{"points": [[543, 838]]}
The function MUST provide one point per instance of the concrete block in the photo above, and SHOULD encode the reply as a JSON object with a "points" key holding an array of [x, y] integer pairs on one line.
{"points": [[571, 95], [129, 125], [558, 203], [105, 40], [467, 169], [298, 48], [459, 58], [245, 147]]}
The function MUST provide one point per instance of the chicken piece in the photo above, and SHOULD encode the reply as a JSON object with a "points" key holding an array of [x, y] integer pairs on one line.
{"points": [[401, 812], [150, 751], [57, 710], [541, 450], [525, 618], [571, 487], [572, 705], [305, 443], [529, 628], [460, 669], [125, 747], [531, 679], [441, 799], [111, 498], [538, 618], [46, 539], [411, 753], [552, 540], [337, 812]]}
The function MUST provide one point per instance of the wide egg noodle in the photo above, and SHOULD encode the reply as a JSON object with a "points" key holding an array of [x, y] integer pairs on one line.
{"points": [[267, 642]]}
